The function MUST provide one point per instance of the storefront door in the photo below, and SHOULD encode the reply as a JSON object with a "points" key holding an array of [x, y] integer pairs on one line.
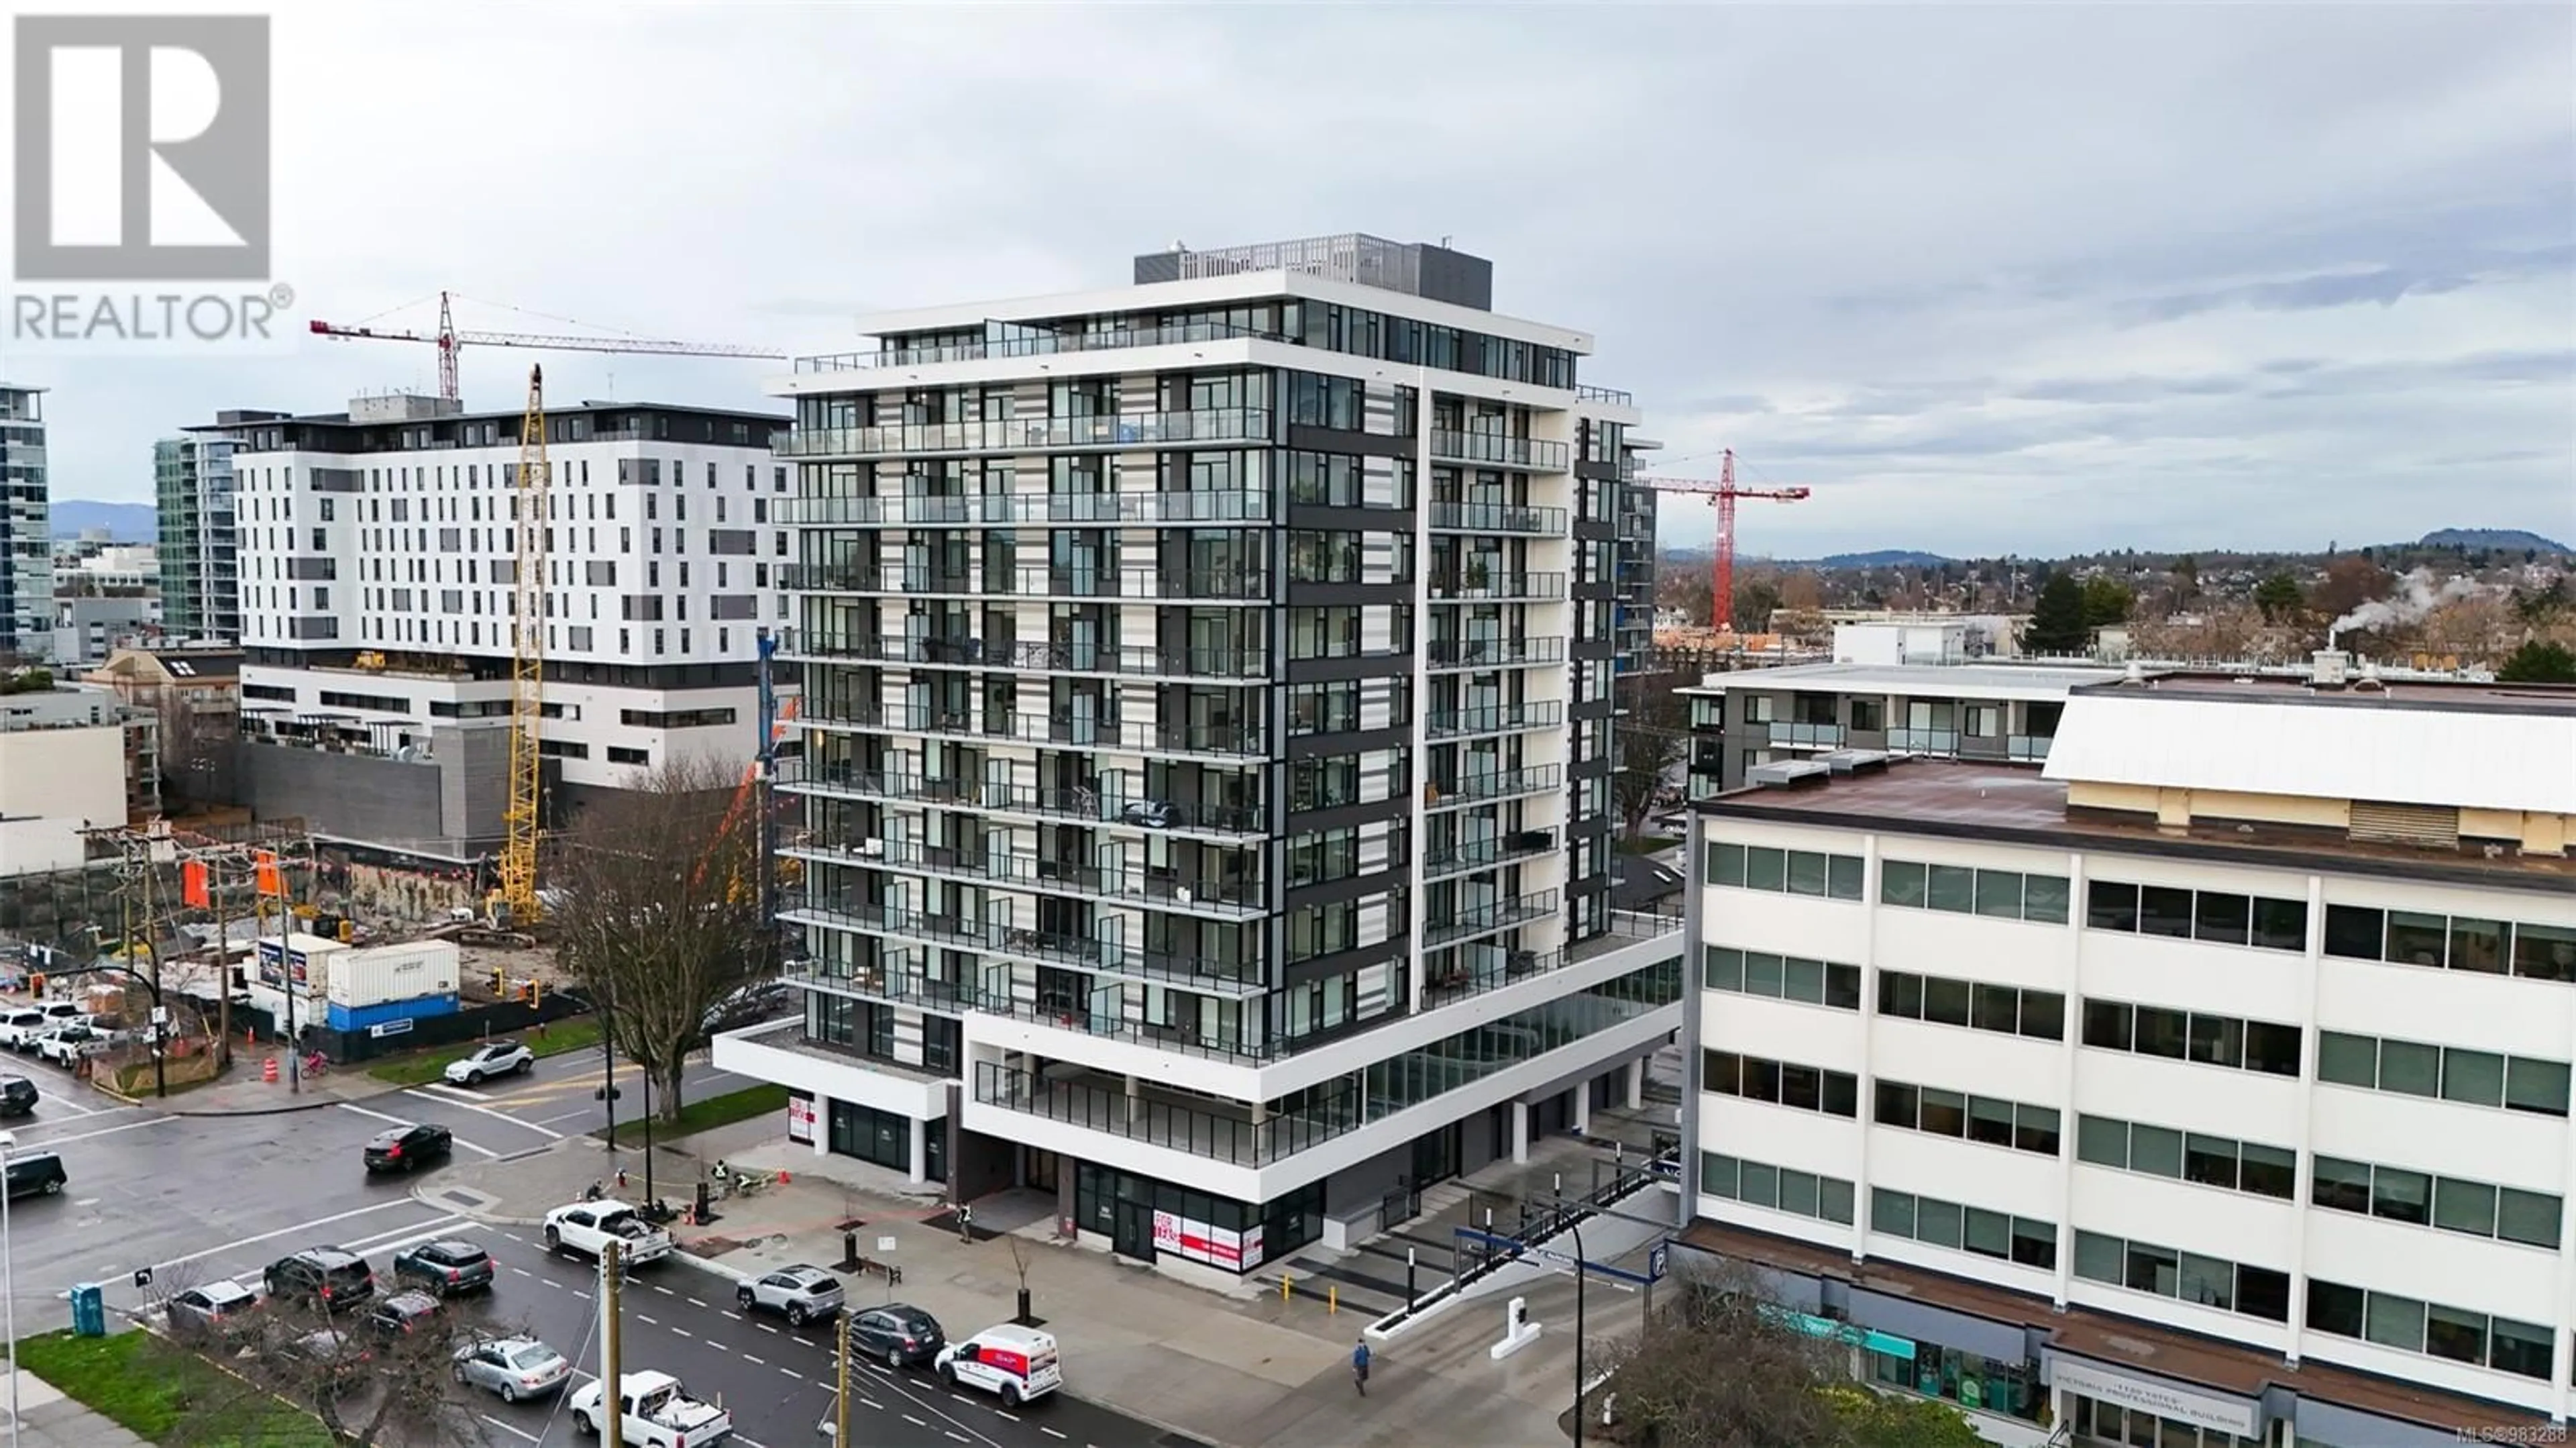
{"points": [[1133, 1237]]}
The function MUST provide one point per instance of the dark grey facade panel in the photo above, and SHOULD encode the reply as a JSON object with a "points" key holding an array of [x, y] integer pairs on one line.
{"points": [[1385, 952], [1309, 746], [1348, 816], [1353, 887], [1306, 437], [1349, 666], [1923, 1322], [1347, 595]]}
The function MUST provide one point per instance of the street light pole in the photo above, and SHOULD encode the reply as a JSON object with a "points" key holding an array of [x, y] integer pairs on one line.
{"points": [[1581, 1262], [9, 1286]]}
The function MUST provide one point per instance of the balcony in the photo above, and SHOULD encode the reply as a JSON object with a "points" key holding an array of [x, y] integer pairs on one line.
{"points": [[1040, 345], [1483, 788], [1001, 868], [1494, 450], [1494, 719], [1030, 434], [1008, 510], [1480, 586], [1076, 952], [1484, 854], [1473, 970], [2029, 747], [1037, 581], [1496, 653], [1209, 740], [1806, 736], [1486, 919], [898, 982], [1586, 392], [1181, 1123], [1923, 741], [1225, 665], [1498, 518], [810, 776]]}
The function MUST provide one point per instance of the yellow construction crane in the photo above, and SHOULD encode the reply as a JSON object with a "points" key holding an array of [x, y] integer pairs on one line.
{"points": [[518, 892]]}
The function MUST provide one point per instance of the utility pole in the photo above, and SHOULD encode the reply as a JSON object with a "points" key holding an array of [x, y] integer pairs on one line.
{"points": [[608, 1061], [841, 1402], [612, 1382]]}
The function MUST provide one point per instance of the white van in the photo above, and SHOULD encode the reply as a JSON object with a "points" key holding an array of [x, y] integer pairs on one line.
{"points": [[1017, 1364]]}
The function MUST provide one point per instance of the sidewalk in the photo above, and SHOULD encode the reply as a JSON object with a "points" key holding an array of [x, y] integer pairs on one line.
{"points": [[1239, 1367], [243, 1092], [47, 1419]]}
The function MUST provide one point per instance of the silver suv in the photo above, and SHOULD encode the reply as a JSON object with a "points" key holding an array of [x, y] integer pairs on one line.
{"points": [[801, 1294]]}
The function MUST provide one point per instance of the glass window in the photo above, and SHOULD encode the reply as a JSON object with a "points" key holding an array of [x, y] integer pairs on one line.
{"points": [[1898, 1104], [1842, 1093], [2527, 1217], [2268, 1171], [2035, 1129], [2099, 1258], [2107, 1024], [2545, 952], [2223, 919], [1944, 1113], [1945, 1001], [1802, 1087], [2460, 1206], [1952, 887], [1799, 1193], [1843, 874], [1761, 1079], [2417, 939], [2262, 1292], [1891, 1212], [2281, 924], [2473, 1077], [1721, 1072], [1765, 869], [1806, 873], [2395, 1321], [1717, 1174], [1900, 994], [1997, 1008], [2151, 1269], [2271, 1048], [2479, 945], [1999, 894], [1726, 864], [1760, 1185], [2459, 1336], [2354, 932], [2043, 1015], [1842, 986], [1837, 1203], [2110, 905], [2043, 899], [1938, 1223], [1803, 980], [1988, 1234], [1761, 974], [2217, 1041], [2401, 1196], [2538, 1086], [2164, 910], [2410, 1067], [2034, 1244], [1900, 882], [2155, 1150], [2347, 1060], [2209, 1160], [2519, 1347], [1722, 969], [2163, 1032], [2102, 1141], [2207, 1281], [1990, 1121], [2342, 1185], [2335, 1308]]}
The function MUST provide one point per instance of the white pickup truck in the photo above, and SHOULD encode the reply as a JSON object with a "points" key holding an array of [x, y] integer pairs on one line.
{"points": [[659, 1413], [588, 1227]]}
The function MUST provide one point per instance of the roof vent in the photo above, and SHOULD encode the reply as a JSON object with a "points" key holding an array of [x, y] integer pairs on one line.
{"points": [[2370, 680], [2136, 673], [1854, 761], [1788, 774], [2327, 668]]}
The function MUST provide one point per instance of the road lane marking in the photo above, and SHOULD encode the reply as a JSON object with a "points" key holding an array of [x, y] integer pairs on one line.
{"points": [[667, 1292], [916, 1422], [961, 1397], [93, 1135], [1000, 1414], [693, 1302], [452, 1093], [487, 1111], [657, 1322], [551, 1120], [720, 1347], [765, 1327], [791, 1372], [506, 1428], [960, 1437], [469, 1146], [684, 1332], [746, 1357], [199, 1256], [550, 1282], [1050, 1432], [515, 1237], [873, 1403], [378, 1115]]}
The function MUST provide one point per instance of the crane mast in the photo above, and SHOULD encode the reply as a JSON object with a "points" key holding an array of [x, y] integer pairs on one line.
{"points": [[1723, 493], [527, 663]]}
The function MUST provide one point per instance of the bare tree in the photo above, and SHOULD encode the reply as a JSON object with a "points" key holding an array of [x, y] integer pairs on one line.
{"points": [[364, 1386], [1651, 736], [657, 917]]}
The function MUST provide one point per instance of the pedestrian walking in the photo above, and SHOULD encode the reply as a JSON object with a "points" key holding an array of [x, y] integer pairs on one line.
{"points": [[1360, 1366]]}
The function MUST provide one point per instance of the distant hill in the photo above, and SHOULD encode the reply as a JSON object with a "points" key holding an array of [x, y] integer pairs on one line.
{"points": [[2499, 540], [1883, 558], [124, 522]]}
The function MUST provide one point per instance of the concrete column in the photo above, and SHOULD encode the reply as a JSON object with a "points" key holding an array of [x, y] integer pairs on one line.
{"points": [[822, 1125], [1520, 1133], [1583, 1107], [1637, 1073], [1135, 1100], [920, 1151]]}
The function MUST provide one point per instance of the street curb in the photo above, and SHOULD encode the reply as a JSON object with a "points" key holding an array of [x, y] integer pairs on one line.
{"points": [[323, 1104], [709, 1265]]}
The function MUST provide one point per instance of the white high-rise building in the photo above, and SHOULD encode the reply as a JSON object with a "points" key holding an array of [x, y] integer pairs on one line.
{"points": [[378, 557], [26, 529], [2207, 1085], [1206, 747]]}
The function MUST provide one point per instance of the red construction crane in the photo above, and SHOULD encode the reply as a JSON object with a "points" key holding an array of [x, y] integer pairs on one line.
{"points": [[1723, 493], [447, 339]]}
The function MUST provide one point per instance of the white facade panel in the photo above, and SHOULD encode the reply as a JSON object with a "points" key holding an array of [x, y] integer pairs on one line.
{"points": [[2185, 1316], [2230, 980], [2231, 1225], [1782, 1030], [2451, 1269], [2448, 1007], [1799, 925], [1983, 1063], [2474, 1143], [2006, 952], [1781, 1136], [1972, 1173], [2214, 1100]]}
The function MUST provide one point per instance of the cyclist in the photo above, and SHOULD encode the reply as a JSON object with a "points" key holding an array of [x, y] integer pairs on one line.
{"points": [[1360, 1366]]}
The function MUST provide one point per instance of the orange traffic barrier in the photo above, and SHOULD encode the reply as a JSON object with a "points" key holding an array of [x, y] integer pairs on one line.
{"points": [[268, 1072]]}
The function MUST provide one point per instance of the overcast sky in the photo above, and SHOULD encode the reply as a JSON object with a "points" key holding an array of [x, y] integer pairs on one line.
{"points": [[1990, 280]]}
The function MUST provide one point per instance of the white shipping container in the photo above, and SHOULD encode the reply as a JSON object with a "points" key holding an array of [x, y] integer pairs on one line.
{"points": [[371, 977]]}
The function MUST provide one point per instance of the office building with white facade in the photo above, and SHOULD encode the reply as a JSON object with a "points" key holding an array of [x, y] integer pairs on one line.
{"points": [[378, 560], [26, 527], [1206, 747], [2206, 1085]]}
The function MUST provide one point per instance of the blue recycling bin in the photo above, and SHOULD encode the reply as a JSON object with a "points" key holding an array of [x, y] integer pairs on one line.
{"points": [[89, 1311]]}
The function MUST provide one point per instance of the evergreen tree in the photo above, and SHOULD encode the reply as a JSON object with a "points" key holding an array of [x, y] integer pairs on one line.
{"points": [[2539, 661], [2278, 596], [2057, 621]]}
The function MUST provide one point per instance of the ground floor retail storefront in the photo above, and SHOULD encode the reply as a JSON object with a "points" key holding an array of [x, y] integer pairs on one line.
{"points": [[2029, 1375]]}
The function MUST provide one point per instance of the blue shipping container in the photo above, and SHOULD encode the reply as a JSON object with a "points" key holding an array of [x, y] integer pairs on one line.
{"points": [[345, 1020]]}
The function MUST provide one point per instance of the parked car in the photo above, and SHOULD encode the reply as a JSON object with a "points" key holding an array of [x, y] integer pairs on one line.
{"points": [[513, 1367], [1016, 1364], [328, 1350], [492, 1058], [218, 1311], [35, 1173], [901, 1334], [408, 1148], [65, 1012], [657, 1413], [18, 1028], [587, 1227], [801, 1294], [449, 1269], [64, 1045], [324, 1275], [18, 1096], [400, 1314]]}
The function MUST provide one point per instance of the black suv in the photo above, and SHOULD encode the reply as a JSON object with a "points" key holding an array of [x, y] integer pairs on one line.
{"points": [[405, 1148], [35, 1172], [323, 1275], [445, 1268], [402, 1313], [17, 1096]]}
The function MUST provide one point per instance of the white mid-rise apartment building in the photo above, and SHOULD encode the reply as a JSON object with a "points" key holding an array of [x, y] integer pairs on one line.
{"points": [[2207, 1085], [378, 561], [1206, 747]]}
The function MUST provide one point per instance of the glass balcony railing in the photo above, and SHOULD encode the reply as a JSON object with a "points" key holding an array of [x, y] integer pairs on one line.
{"points": [[810, 775], [1494, 719], [1477, 585], [1231, 665], [1489, 449], [1612, 395], [984, 865], [1500, 784], [899, 981], [1002, 510], [1037, 580], [849, 912], [1482, 919], [1498, 518], [1045, 344], [1443, 861], [1923, 741], [1071, 731], [1496, 653], [1807, 736], [1029, 434], [2029, 746]]}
